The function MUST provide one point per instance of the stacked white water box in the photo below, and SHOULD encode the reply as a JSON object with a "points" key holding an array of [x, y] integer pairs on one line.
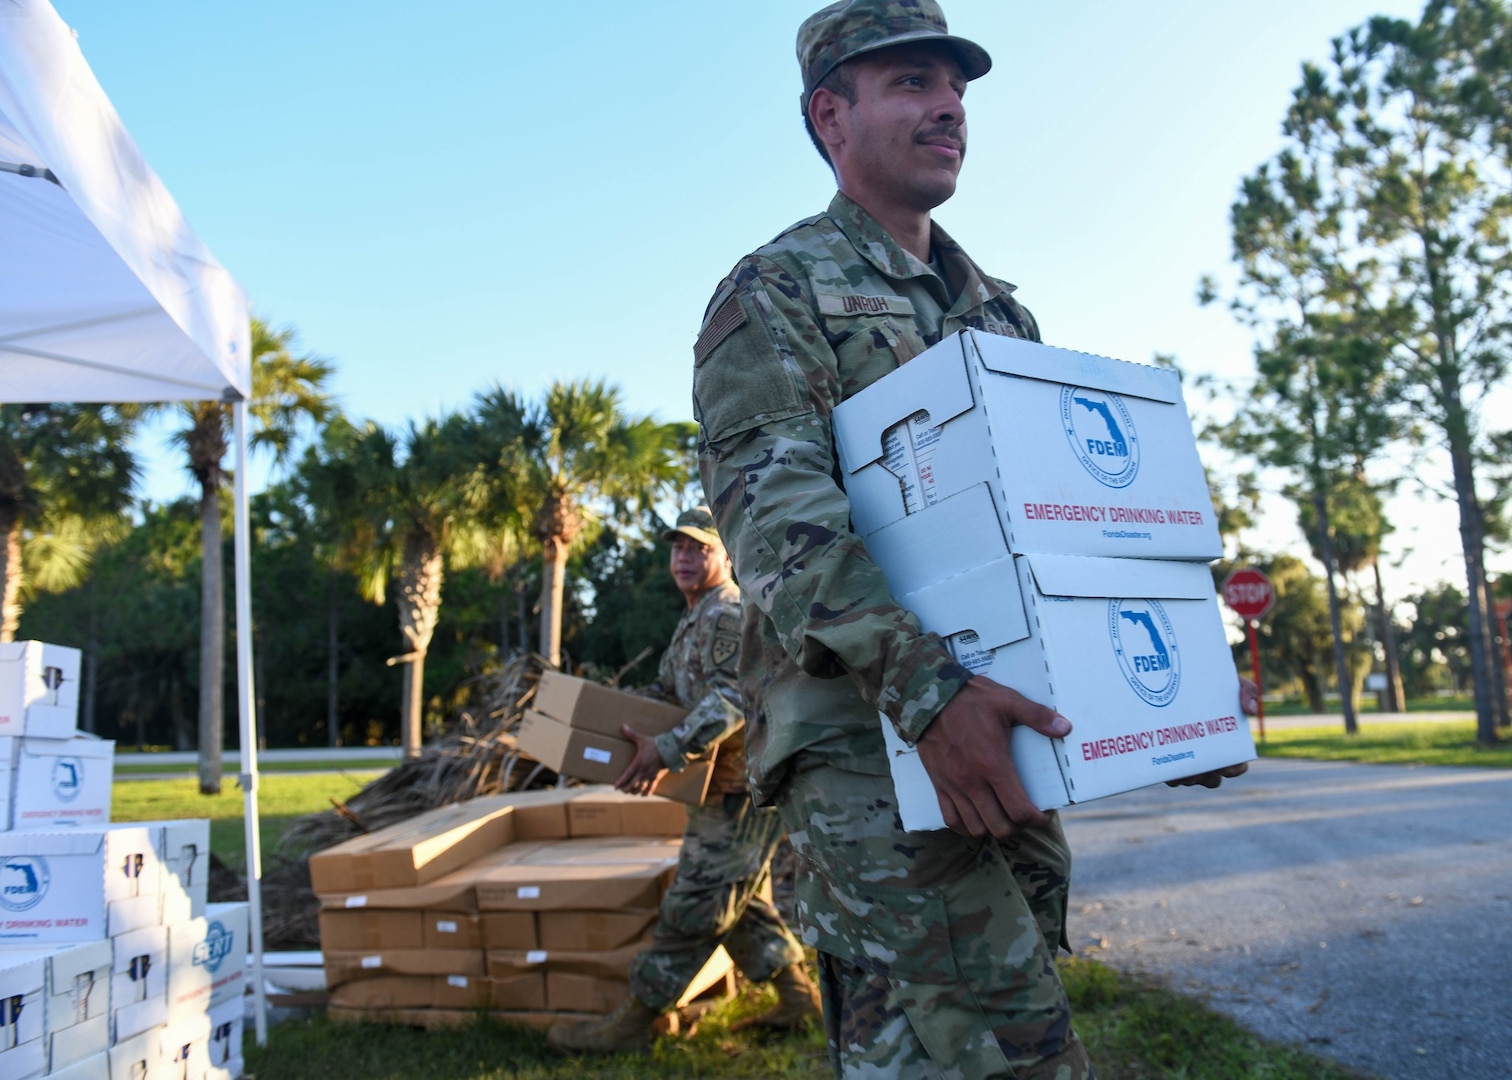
{"points": [[1045, 512], [112, 963]]}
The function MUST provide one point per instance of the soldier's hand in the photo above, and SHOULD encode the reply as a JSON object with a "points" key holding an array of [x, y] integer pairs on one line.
{"points": [[645, 768], [966, 752], [1249, 701]]}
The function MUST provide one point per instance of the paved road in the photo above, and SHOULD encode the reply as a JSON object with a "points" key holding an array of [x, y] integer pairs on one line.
{"points": [[1363, 910]]}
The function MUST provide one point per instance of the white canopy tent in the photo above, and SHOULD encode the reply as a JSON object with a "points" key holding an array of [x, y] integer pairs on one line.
{"points": [[106, 295]]}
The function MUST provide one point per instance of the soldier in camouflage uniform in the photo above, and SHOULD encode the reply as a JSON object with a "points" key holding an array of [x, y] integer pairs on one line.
{"points": [[937, 950], [717, 897]]}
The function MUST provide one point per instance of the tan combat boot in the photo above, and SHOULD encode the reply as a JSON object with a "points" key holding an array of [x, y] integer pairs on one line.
{"points": [[797, 1003], [627, 1028]]}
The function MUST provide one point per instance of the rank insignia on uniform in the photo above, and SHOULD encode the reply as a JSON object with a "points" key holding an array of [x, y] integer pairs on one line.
{"points": [[724, 648], [730, 317]]}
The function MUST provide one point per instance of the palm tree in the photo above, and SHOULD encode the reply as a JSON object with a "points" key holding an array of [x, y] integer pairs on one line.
{"points": [[404, 504], [567, 464], [287, 392], [64, 471]]}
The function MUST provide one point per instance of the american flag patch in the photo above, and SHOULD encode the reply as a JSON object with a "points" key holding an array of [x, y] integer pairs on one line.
{"points": [[729, 318]]}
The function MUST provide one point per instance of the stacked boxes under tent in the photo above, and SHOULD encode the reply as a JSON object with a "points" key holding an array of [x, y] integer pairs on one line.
{"points": [[112, 961], [530, 906], [1046, 513]]}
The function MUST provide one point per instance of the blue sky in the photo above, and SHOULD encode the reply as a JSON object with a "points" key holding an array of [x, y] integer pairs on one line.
{"points": [[440, 196]]}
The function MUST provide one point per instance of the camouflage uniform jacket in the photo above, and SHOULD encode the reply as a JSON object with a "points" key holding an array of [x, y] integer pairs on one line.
{"points": [[698, 672], [824, 310]]}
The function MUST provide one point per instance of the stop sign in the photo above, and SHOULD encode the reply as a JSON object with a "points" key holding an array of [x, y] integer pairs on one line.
{"points": [[1248, 592]]}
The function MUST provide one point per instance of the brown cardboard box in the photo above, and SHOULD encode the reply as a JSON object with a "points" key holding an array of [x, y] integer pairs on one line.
{"points": [[345, 967], [602, 811], [454, 892], [598, 931], [509, 930], [690, 786], [590, 707], [526, 991], [575, 752], [370, 930], [388, 992], [614, 964], [462, 992], [566, 992], [451, 930], [541, 815], [603, 873], [416, 851]]}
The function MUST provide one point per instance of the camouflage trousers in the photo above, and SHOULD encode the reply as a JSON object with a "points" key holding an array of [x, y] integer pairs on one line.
{"points": [[936, 951], [715, 900]]}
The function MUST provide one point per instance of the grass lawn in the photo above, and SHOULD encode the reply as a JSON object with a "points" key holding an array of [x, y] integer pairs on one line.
{"points": [[281, 798], [1449, 742], [1133, 1033]]}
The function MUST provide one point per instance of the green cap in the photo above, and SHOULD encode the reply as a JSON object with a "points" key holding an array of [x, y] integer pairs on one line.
{"points": [[844, 30], [697, 524]]}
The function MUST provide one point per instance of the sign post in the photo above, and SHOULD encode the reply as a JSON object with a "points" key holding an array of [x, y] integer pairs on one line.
{"points": [[1248, 592]]}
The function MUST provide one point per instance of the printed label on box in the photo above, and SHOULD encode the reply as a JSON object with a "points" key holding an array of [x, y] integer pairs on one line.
{"points": [[593, 753]]}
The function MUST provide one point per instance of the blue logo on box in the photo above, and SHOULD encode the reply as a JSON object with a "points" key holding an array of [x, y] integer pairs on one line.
{"points": [[67, 778], [1145, 643], [23, 882], [1101, 433], [212, 952]]}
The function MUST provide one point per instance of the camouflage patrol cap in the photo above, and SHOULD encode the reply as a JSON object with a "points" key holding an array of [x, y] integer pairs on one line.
{"points": [[696, 524], [849, 28]]}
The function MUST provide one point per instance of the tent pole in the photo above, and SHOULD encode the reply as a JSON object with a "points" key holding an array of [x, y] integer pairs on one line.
{"points": [[247, 712]]}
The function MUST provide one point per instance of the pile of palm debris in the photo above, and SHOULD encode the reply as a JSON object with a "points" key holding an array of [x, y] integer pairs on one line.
{"points": [[476, 756]]}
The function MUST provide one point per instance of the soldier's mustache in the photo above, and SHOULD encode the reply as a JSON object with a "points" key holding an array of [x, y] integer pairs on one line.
{"points": [[949, 132]]}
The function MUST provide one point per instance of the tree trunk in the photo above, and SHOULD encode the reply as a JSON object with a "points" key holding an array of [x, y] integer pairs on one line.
{"points": [[10, 573], [212, 640], [1472, 544], [91, 661], [1341, 665], [419, 600], [414, 700], [553, 590], [1395, 700], [1312, 690], [522, 622], [333, 666], [1498, 658]]}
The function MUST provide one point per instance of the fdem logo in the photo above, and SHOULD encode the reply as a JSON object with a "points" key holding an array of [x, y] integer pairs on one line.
{"points": [[23, 882], [1101, 433], [1145, 644], [67, 778], [212, 952]]}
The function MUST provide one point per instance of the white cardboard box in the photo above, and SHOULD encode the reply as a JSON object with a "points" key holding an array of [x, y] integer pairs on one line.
{"points": [[96, 1067], [1131, 651], [23, 993], [189, 978], [75, 1008], [224, 951], [186, 1046], [59, 885], [138, 1057], [39, 689], [139, 982], [183, 846], [227, 1023], [61, 783], [1085, 455], [8, 747]]}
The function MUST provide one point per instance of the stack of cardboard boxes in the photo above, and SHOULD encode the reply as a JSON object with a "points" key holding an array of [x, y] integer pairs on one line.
{"points": [[528, 905], [1046, 513], [573, 727], [112, 963]]}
